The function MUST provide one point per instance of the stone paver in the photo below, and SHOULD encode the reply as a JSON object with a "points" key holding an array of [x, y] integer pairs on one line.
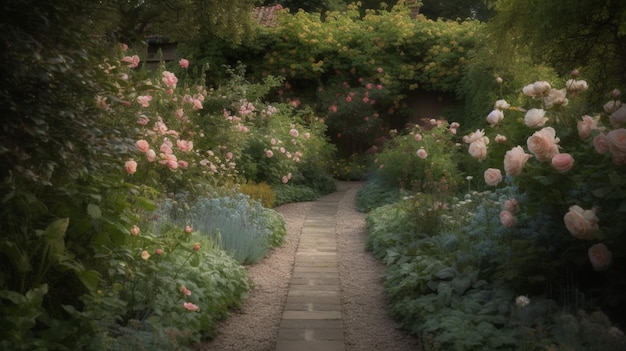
{"points": [[312, 319]]}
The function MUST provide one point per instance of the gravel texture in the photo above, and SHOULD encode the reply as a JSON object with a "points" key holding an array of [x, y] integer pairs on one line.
{"points": [[367, 324]]}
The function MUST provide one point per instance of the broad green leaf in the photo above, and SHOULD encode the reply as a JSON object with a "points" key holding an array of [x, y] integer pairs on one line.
{"points": [[94, 211], [54, 235], [90, 279]]}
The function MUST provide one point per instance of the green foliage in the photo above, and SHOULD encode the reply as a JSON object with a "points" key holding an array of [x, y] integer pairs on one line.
{"points": [[376, 193], [423, 160], [354, 167], [287, 193]]}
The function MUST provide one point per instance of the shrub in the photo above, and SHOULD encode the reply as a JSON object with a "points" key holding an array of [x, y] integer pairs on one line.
{"points": [[262, 192], [287, 193], [376, 193]]}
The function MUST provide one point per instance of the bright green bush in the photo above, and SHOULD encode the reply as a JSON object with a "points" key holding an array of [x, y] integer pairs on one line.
{"points": [[261, 192]]}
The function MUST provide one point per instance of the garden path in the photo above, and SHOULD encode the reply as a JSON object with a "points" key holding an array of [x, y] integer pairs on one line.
{"points": [[319, 291]]}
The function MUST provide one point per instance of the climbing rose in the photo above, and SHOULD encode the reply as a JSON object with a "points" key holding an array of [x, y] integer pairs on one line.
{"points": [[581, 223], [133, 61], [507, 219], [144, 100], [131, 166], [191, 307], [184, 145], [535, 117], [562, 162], [514, 161], [142, 145], [543, 144], [421, 153], [493, 176], [151, 155], [600, 257], [169, 79]]}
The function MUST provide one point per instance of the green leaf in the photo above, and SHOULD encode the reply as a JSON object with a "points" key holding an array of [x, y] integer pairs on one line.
{"points": [[17, 256], [54, 235], [146, 203], [94, 211], [460, 284], [195, 261], [446, 273], [90, 279]]}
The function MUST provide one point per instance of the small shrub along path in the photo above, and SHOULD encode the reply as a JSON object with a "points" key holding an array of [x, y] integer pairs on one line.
{"points": [[319, 291]]}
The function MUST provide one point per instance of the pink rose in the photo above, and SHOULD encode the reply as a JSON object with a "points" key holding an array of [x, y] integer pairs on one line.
{"points": [[158, 252], [151, 155], [179, 113], [601, 144], [284, 179], [493, 176], [188, 229], [191, 307], [169, 79], [196, 247], [617, 145], [479, 134], [144, 100], [184, 145], [511, 205], [145, 255], [131, 166], [500, 139], [581, 223], [307, 135], [133, 61], [421, 153], [183, 164], [418, 137], [197, 104], [185, 291], [142, 145], [184, 63], [348, 98], [294, 132], [543, 144], [563, 162], [586, 126], [514, 161], [507, 219], [269, 153], [618, 117], [495, 117], [600, 257], [134, 231], [535, 118], [478, 150]]}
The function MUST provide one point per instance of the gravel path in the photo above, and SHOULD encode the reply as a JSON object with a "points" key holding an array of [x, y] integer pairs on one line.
{"points": [[367, 325]]}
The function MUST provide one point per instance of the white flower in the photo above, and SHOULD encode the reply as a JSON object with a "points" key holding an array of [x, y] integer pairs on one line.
{"points": [[535, 117], [522, 301], [494, 117], [501, 105]]}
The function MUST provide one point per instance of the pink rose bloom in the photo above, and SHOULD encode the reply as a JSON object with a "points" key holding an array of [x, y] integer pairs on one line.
{"points": [[191, 307], [134, 231], [418, 137], [493, 176], [600, 257], [145, 255], [229, 155], [379, 69], [123, 46], [282, 150], [284, 179], [617, 145], [184, 63], [618, 117], [612, 106], [495, 117], [197, 104], [369, 86], [332, 108], [169, 79], [183, 164], [501, 105], [348, 98], [507, 219], [294, 132], [562, 162], [601, 144], [478, 150], [511, 205], [307, 135], [514, 161], [131, 167], [535, 118], [179, 113], [269, 153], [581, 223], [144, 100], [185, 291], [556, 97], [479, 134], [188, 229], [166, 148], [543, 144], [158, 252], [133, 61], [151, 155], [142, 120], [142, 145], [500, 139], [586, 126], [196, 247], [421, 153], [184, 145]]}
